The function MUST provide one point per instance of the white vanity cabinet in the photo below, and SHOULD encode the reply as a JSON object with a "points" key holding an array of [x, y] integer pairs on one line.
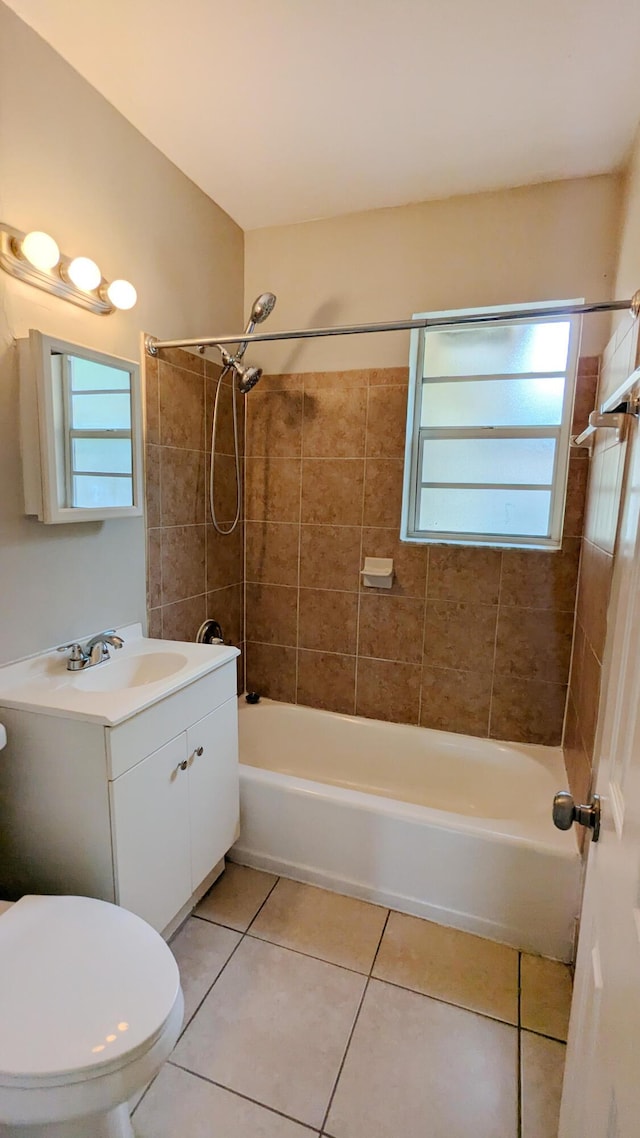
{"points": [[162, 852], [139, 812]]}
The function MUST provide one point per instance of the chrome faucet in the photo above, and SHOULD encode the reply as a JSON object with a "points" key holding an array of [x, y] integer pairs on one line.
{"points": [[95, 651]]}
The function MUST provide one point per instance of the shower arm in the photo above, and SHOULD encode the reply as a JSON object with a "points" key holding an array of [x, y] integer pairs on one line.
{"points": [[153, 345]]}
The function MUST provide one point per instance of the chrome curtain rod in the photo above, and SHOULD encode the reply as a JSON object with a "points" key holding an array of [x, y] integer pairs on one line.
{"points": [[633, 305]]}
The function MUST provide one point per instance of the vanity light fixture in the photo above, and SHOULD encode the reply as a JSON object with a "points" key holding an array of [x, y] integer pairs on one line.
{"points": [[36, 259]]}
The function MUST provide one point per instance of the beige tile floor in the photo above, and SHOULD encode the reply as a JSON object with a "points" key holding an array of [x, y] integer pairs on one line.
{"points": [[312, 1013]]}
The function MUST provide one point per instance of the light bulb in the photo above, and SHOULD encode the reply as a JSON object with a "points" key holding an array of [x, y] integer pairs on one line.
{"points": [[84, 273], [40, 250], [122, 294]]}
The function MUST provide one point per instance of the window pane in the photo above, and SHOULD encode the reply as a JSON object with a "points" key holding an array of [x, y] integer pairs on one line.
{"points": [[497, 350], [88, 375], [493, 403], [488, 460], [517, 512], [89, 490], [101, 412], [113, 456]]}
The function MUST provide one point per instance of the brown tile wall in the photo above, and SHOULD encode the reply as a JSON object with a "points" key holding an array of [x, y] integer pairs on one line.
{"points": [[192, 572], [469, 640], [604, 495]]}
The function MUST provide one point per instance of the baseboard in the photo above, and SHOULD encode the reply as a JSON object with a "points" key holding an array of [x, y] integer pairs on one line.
{"points": [[451, 918]]}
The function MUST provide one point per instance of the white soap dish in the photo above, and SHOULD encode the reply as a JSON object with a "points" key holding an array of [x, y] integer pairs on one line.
{"points": [[377, 572]]}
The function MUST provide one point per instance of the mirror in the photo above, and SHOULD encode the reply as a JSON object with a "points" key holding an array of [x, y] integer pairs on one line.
{"points": [[80, 432]]}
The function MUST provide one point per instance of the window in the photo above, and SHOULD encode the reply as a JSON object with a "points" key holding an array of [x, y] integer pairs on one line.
{"points": [[98, 433], [488, 425]]}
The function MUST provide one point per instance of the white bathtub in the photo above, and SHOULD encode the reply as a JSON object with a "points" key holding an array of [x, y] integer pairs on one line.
{"points": [[448, 827]]}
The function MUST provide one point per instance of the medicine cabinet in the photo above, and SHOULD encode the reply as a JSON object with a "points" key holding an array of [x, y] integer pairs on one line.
{"points": [[81, 432]]}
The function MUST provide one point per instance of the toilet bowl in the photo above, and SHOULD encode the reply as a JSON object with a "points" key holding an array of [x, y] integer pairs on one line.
{"points": [[91, 1006]]}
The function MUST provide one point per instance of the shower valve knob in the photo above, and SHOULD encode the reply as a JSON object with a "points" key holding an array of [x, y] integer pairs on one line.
{"points": [[565, 813]]}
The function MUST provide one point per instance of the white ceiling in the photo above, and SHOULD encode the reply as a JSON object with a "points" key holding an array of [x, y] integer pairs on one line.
{"points": [[286, 110]]}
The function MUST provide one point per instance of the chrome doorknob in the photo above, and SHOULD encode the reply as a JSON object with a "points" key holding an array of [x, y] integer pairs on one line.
{"points": [[565, 813]]}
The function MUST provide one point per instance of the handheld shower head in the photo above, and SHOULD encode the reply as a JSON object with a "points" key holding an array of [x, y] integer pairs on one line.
{"points": [[262, 307], [244, 379]]}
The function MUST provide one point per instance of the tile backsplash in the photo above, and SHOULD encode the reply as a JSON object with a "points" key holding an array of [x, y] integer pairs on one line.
{"points": [[469, 640], [603, 504], [192, 572]]}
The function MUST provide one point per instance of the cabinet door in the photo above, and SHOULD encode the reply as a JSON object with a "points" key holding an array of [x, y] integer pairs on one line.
{"points": [[150, 824], [213, 788]]}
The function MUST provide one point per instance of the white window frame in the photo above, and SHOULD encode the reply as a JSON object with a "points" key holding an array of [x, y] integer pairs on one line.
{"points": [[71, 433], [417, 436], [42, 431]]}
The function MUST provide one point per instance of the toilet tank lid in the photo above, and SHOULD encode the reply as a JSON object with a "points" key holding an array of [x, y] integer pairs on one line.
{"points": [[82, 984]]}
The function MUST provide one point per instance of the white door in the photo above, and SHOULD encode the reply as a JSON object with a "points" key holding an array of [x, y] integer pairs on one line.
{"points": [[214, 808], [601, 1097], [150, 820]]}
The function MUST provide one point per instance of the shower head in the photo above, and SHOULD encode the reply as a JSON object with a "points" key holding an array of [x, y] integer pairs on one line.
{"points": [[247, 378], [262, 307]]}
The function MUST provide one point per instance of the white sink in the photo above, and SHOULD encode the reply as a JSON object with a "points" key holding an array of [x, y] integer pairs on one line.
{"points": [[131, 672], [137, 675]]}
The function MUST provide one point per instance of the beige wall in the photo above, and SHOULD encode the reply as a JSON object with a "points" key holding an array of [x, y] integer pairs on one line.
{"points": [[73, 166], [535, 243], [628, 270]]}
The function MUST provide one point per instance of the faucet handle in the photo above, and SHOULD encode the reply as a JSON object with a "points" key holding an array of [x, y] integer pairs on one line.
{"points": [[77, 659], [76, 650]]}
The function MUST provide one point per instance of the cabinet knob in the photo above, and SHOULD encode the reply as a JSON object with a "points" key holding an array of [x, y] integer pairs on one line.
{"points": [[199, 751], [182, 766]]}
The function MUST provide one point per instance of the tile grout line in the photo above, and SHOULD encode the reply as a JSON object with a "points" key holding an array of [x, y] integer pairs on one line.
{"points": [[232, 954], [245, 437], [145, 1093], [309, 955], [295, 693], [495, 646], [424, 633], [160, 510], [344, 1057], [447, 1003], [543, 1035], [519, 1049], [364, 484], [381, 659], [353, 1026], [389, 983], [261, 907], [212, 985], [321, 1130], [199, 1005], [239, 1094]]}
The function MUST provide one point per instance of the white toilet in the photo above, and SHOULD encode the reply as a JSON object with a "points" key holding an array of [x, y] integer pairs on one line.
{"points": [[91, 1006]]}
